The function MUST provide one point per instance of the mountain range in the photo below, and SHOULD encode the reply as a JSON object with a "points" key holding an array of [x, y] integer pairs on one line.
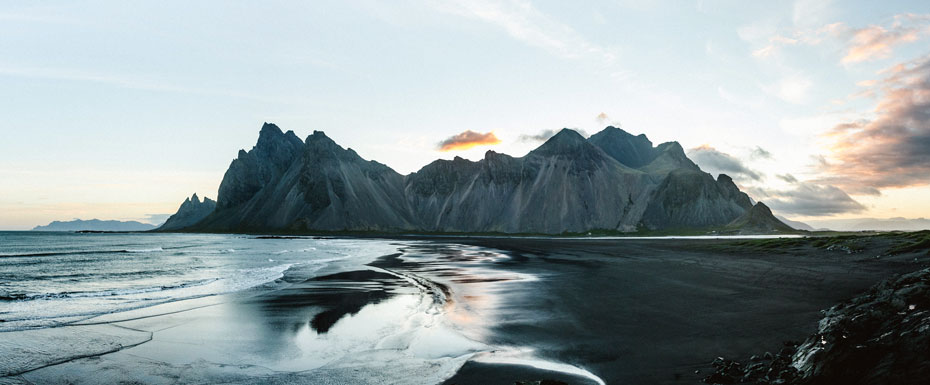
{"points": [[613, 181], [95, 225]]}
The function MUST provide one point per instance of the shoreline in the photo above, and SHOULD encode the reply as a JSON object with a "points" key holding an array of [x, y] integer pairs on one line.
{"points": [[595, 310], [325, 305]]}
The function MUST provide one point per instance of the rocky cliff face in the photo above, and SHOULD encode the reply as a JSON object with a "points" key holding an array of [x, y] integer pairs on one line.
{"points": [[612, 181], [565, 185], [190, 212], [311, 185]]}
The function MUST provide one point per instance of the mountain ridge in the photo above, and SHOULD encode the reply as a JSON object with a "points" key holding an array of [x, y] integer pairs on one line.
{"points": [[611, 181], [95, 225]]}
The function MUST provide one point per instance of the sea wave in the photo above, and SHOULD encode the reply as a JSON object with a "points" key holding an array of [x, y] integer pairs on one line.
{"points": [[103, 293], [79, 252]]}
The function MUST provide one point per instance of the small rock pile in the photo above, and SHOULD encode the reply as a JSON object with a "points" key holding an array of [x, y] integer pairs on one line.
{"points": [[768, 369]]}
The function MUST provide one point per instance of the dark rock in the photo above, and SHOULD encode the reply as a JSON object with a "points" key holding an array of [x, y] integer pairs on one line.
{"points": [[880, 337]]}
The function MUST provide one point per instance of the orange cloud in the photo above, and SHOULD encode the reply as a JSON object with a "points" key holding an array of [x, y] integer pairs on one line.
{"points": [[893, 148], [875, 42], [860, 44], [468, 139]]}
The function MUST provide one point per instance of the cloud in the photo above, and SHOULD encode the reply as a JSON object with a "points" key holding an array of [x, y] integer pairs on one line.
{"points": [[868, 43], [605, 120], [542, 136], [787, 178], [811, 199], [891, 149], [792, 89], [155, 219], [468, 139], [146, 83], [810, 12], [716, 162], [523, 22], [760, 153], [875, 42]]}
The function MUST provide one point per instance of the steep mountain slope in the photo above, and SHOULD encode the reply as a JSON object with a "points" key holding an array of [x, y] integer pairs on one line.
{"points": [[315, 185], [565, 185], [637, 151], [691, 198], [612, 181], [190, 212]]}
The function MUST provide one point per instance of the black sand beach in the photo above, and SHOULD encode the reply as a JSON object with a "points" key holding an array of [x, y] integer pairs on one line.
{"points": [[496, 311], [656, 311]]}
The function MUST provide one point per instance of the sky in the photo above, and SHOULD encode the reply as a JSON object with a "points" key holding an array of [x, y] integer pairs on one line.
{"points": [[120, 110]]}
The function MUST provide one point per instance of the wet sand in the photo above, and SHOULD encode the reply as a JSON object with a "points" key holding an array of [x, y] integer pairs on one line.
{"points": [[482, 311], [653, 311]]}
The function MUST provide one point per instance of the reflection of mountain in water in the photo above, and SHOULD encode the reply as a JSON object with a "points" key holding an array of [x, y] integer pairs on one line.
{"points": [[338, 295]]}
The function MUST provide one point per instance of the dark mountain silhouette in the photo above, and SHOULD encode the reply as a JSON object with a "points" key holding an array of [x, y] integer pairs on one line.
{"points": [[613, 181]]}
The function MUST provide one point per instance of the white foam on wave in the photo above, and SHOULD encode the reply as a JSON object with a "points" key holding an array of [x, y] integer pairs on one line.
{"points": [[525, 357], [151, 250], [58, 309]]}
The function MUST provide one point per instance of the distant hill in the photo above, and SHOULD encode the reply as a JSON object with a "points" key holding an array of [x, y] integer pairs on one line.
{"points": [[612, 181], [876, 224], [795, 224], [759, 219], [95, 225]]}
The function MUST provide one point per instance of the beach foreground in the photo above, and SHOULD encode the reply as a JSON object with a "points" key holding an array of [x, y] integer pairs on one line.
{"points": [[477, 310]]}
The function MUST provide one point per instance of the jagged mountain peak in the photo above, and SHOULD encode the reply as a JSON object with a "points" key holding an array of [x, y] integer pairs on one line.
{"points": [[631, 151], [670, 156], [566, 141], [269, 129], [568, 183], [189, 213], [567, 134], [319, 138], [270, 135], [612, 131]]}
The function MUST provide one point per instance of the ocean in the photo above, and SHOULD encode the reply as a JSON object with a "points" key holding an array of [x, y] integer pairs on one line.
{"points": [[206, 308], [50, 279]]}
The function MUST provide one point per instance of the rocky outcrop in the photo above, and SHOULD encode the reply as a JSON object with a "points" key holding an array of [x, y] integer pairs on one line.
{"points": [[613, 181], [190, 212], [879, 338]]}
